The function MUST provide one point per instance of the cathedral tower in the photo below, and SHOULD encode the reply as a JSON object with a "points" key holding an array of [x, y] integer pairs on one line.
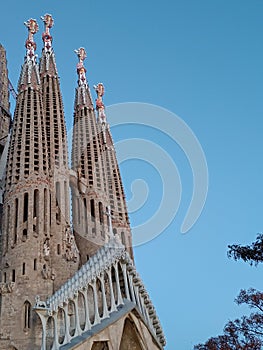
{"points": [[115, 191], [38, 251], [88, 181], [97, 186], [49, 299], [25, 259], [57, 151]]}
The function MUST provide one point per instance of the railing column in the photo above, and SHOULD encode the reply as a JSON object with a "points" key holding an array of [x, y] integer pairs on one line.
{"points": [[137, 298], [43, 319], [87, 320], [78, 330], [96, 306], [112, 297], [67, 325], [120, 301], [104, 300], [55, 345], [124, 271], [130, 279]]}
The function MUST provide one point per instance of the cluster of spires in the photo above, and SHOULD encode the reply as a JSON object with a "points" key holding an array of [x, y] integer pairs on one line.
{"points": [[40, 251]]}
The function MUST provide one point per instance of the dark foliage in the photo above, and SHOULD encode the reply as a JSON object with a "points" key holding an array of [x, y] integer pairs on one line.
{"points": [[252, 254], [245, 333]]}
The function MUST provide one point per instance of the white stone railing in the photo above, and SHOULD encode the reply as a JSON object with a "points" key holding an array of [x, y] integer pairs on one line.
{"points": [[105, 283]]}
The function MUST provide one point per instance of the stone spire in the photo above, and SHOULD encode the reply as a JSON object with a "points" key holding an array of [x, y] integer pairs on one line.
{"points": [[89, 193], [57, 150], [25, 255], [29, 73], [115, 191], [5, 116], [5, 120], [83, 97]]}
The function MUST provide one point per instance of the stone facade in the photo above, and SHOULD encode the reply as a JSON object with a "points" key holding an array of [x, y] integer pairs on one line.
{"points": [[65, 286]]}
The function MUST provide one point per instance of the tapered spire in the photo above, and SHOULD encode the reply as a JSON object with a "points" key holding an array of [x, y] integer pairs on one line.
{"points": [[57, 159], [115, 190], [89, 198], [29, 73], [48, 63], [5, 122], [25, 262], [83, 96]]}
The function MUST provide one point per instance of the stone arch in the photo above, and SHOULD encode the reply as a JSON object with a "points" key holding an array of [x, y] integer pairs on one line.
{"points": [[114, 284], [99, 296], [82, 310], [50, 333], [131, 339], [72, 317], [91, 303], [61, 319]]}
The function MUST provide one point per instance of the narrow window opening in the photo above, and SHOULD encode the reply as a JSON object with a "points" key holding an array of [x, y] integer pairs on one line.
{"points": [[122, 238], [13, 275], [24, 234], [58, 249], [101, 213], [36, 203], [24, 269], [27, 315], [35, 264], [16, 220], [45, 210], [92, 209], [58, 199], [25, 216]]}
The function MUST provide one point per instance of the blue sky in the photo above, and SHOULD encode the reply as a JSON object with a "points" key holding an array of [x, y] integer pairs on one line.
{"points": [[203, 61]]}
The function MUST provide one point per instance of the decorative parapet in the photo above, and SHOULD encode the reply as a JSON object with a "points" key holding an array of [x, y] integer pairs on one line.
{"points": [[105, 283]]}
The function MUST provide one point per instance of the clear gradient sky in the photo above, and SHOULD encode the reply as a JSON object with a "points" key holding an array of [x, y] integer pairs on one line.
{"points": [[202, 60]]}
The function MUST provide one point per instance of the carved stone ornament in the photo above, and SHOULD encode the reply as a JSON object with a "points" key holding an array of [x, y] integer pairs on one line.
{"points": [[71, 250], [6, 287]]}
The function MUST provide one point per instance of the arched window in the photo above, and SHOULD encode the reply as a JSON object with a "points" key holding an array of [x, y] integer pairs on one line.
{"points": [[27, 315]]}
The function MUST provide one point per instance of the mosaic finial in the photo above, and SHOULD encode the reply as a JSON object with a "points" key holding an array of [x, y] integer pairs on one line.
{"points": [[47, 38], [99, 88], [81, 70], [32, 27]]}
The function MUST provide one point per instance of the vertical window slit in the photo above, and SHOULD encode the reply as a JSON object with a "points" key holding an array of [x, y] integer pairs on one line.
{"points": [[25, 216], [92, 209]]}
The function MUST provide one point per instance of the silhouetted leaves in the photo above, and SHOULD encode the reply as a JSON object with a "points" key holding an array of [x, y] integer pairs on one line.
{"points": [[245, 333], [250, 253]]}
